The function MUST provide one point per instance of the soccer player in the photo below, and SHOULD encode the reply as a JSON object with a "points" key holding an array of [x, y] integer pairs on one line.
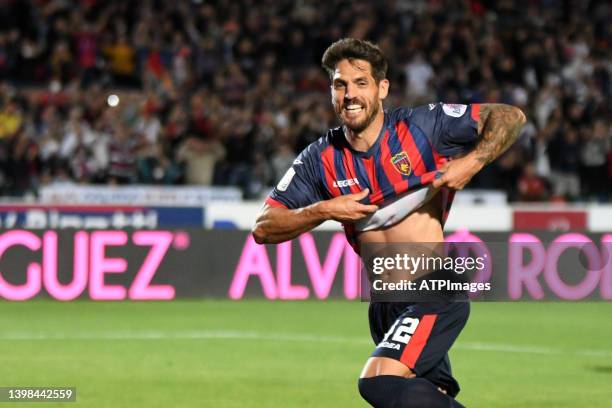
{"points": [[388, 177]]}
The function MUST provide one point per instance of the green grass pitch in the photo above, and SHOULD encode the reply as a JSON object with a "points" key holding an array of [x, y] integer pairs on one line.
{"points": [[292, 354]]}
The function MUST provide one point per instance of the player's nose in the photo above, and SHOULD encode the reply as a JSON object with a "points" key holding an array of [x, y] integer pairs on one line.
{"points": [[349, 92]]}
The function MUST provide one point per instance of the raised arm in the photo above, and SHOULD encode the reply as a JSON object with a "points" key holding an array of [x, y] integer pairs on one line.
{"points": [[275, 224], [499, 126]]}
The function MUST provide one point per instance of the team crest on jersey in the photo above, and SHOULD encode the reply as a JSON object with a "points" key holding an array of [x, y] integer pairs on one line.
{"points": [[401, 162]]}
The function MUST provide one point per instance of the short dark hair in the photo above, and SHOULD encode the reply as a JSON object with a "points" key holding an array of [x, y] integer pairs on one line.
{"points": [[351, 49]]}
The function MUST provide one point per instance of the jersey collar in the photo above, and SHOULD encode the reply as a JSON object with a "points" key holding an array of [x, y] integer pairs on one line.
{"points": [[374, 148]]}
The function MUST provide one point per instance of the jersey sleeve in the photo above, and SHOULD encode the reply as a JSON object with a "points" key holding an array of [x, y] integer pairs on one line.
{"points": [[451, 128], [301, 184]]}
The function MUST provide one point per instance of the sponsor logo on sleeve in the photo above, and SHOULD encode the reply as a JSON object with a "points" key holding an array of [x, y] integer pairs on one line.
{"points": [[454, 110], [286, 180]]}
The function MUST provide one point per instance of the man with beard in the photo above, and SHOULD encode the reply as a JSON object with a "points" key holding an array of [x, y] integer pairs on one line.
{"points": [[388, 177]]}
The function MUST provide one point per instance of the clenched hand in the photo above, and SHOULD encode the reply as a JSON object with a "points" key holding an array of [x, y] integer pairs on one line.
{"points": [[347, 208], [458, 172]]}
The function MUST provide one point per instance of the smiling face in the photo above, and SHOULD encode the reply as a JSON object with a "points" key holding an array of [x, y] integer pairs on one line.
{"points": [[356, 96]]}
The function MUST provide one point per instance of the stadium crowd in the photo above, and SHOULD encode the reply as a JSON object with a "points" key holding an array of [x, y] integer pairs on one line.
{"points": [[226, 93]]}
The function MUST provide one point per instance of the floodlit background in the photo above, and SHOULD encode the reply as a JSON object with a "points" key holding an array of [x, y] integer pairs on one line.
{"points": [[138, 140]]}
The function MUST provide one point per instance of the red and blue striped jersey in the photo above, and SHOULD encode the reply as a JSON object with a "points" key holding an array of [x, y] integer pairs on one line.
{"points": [[412, 145]]}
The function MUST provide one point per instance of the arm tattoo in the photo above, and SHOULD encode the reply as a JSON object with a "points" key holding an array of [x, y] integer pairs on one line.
{"points": [[498, 127]]}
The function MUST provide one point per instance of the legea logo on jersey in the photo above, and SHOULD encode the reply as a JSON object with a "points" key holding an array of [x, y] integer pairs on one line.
{"points": [[401, 161], [346, 183]]}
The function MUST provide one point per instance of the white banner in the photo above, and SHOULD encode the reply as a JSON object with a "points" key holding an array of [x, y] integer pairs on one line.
{"points": [[138, 195]]}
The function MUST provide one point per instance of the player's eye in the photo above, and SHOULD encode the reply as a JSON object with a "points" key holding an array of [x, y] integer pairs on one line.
{"points": [[338, 85]]}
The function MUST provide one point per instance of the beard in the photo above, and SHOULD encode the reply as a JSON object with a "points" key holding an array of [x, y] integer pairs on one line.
{"points": [[359, 125]]}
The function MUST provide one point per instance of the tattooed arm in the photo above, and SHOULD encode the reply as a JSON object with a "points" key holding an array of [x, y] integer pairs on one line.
{"points": [[498, 128]]}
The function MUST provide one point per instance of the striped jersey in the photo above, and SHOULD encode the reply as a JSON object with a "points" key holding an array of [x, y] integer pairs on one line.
{"points": [[412, 146]]}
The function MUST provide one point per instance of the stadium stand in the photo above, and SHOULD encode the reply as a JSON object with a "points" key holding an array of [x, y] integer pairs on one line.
{"points": [[226, 93]]}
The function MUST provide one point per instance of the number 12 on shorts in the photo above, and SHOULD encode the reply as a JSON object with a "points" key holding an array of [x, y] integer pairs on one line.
{"points": [[402, 332]]}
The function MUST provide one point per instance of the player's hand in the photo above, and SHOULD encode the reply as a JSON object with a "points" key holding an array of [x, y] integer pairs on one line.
{"points": [[347, 208], [458, 172]]}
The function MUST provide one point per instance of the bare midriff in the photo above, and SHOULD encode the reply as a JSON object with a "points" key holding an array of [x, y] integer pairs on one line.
{"points": [[423, 225], [417, 235]]}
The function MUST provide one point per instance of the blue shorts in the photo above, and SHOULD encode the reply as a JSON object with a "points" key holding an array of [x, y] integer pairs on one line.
{"points": [[419, 335]]}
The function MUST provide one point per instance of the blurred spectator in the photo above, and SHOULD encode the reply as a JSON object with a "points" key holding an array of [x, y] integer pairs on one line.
{"points": [[86, 48], [62, 63], [158, 168], [149, 127], [199, 159], [418, 74], [531, 186], [23, 163], [121, 57], [595, 147], [83, 166], [565, 161], [77, 133], [10, 119], [123, 149]]}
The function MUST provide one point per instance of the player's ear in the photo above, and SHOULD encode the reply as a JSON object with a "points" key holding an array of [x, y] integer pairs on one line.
{"points": [[383, 88]]}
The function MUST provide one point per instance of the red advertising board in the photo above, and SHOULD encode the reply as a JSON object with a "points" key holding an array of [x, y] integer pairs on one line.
{"points": [[549, 220]]}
